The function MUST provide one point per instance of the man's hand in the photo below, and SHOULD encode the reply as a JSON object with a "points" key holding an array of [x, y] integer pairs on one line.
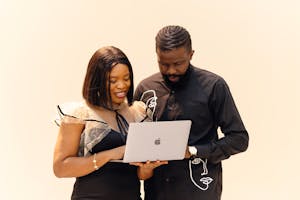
{"points": [[187, 152]]}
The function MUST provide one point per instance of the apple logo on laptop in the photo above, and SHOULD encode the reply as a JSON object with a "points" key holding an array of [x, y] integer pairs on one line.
{"points": [[157, 141]]}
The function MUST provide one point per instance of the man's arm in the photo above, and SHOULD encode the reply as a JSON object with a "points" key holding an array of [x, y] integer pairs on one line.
{"points": [[226, 117]]}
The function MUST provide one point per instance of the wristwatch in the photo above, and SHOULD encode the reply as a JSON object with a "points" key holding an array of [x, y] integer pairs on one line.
{"points": [[193, 151]]}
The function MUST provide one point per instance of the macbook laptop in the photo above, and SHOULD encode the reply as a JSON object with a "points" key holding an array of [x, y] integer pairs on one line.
{"points": [[163, 140]]}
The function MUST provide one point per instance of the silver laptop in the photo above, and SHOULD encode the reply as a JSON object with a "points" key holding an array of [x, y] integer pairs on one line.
{"points": [[163, 140]]}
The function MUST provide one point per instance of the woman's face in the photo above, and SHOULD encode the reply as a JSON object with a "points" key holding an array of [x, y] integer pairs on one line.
{"points": [[119, 80]]}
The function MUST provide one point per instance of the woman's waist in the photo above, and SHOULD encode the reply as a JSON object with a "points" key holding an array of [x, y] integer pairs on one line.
{"points": [[114, 169]]}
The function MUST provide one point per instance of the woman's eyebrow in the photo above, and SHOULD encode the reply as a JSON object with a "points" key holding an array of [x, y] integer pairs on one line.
{"points": [[118, 76]]}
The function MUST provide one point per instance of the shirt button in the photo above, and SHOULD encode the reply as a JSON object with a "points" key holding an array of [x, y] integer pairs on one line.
{"points": [[172, 92], [167, 180]]}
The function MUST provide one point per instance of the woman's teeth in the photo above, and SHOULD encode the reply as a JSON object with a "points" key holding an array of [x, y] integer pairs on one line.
{"points": [[121, 94]]}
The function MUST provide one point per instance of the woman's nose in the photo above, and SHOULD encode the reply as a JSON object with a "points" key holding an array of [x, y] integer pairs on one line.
{"points": [[121, 85]]}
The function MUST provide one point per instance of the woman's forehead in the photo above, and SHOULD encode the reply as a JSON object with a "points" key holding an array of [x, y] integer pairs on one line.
{"points": [[119, 70]]}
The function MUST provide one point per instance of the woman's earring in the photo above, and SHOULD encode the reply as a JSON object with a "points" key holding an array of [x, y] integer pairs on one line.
{"points": [[98, 94]]}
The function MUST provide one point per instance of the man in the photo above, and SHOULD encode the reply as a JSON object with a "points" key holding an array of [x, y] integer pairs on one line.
{"points": [[180, 92]]}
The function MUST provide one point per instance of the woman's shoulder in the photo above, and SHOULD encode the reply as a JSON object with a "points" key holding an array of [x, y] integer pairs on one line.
{"points": [[77, 109], [138, 109], [72, 112]]}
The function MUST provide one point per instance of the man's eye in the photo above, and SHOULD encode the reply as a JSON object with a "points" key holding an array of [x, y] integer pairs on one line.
{"points": [[112, 81]]}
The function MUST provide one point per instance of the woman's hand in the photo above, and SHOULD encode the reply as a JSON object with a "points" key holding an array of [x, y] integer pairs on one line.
{"points": [[149, 164], [145, 170], [117, 153]]}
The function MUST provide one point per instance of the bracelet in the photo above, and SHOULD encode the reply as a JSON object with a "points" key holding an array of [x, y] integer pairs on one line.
{"points": [[95, 162]]}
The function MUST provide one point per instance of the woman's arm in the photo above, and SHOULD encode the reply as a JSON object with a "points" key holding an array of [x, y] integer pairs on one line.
{"points": [[66, 163]]}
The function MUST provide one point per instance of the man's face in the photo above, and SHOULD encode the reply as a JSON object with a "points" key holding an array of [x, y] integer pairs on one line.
{"points": [[174, 63]]}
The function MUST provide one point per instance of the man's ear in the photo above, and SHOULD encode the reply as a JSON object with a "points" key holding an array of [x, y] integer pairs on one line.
{"points": [[191, 54]]}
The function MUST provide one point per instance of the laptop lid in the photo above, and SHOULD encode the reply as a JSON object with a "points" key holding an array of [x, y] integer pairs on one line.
{"points": [[163, 140]]}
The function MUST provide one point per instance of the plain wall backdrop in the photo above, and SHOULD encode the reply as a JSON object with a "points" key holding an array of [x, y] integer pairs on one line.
{"points": [[254, 45]]}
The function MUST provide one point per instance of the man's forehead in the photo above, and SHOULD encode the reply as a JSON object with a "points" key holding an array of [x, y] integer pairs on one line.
{"points": [[172, 56]]}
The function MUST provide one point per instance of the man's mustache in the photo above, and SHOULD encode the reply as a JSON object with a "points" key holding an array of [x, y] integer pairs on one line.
{"points": [[173, 75]]}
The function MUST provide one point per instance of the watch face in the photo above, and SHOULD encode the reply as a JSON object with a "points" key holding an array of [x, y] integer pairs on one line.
{"points": [[193, 151]]}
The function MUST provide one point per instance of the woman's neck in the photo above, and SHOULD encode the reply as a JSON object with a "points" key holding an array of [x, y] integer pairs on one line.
{"points": [[109, 115], [119, 107]]}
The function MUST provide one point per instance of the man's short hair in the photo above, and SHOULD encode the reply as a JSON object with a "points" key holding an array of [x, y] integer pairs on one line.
{"points": [[172, 37]]}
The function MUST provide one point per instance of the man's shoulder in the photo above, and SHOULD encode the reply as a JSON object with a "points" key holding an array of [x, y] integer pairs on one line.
{"points": [[154, 78], [206, 75], [151, 83]]}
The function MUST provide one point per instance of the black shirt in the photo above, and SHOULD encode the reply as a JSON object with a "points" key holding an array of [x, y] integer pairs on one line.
{"points": [[204, 98]]}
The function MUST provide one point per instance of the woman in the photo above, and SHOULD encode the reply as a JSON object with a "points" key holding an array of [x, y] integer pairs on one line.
{"points": [[93, 133]]}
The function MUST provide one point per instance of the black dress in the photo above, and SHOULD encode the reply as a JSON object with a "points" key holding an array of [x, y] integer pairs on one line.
{"points": [[113, 181]]}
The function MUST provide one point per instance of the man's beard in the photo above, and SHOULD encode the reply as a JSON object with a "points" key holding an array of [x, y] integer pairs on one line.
{"points": [[172, 83], [181, 79]]}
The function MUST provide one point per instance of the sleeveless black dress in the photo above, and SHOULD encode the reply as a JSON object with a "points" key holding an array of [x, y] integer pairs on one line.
{"points": [[113, 181]]}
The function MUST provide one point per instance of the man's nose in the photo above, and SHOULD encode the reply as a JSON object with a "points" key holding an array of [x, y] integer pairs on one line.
{"points": [[171, 70]]}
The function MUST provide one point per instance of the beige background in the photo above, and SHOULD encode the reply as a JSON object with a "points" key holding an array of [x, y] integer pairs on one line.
{"points": [[254, 45]]}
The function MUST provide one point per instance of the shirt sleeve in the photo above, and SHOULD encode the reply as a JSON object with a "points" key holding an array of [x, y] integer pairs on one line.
{"points": [[226, 117], [139, 110], [138, 93], [148, 99], [71, 112]]}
